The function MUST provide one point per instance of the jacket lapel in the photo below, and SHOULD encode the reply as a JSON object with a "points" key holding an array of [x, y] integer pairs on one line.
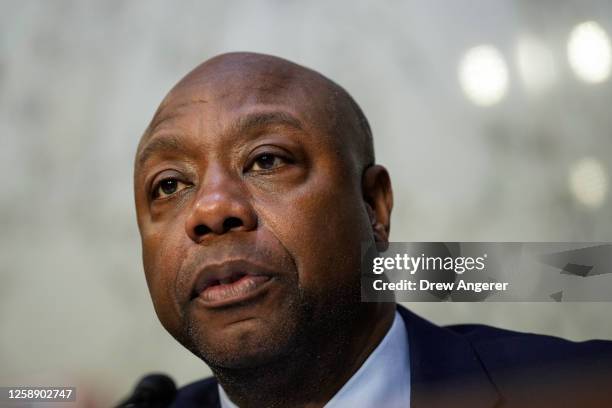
{"points": [[444, 368]]}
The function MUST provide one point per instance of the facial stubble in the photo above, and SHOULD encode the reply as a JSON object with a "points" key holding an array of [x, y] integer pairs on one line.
{"points": [[309, 342]]}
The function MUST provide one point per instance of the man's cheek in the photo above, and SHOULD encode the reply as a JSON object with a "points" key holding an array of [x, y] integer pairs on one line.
{"points": [[161, 273], [164, 303], [328, 253]]}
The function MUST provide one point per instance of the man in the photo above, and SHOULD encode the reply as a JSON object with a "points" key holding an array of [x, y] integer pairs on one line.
{"points": [[255, 188]]}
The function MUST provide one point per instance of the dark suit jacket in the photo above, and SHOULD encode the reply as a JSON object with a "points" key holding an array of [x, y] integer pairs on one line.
{"points": [[479, 366]]}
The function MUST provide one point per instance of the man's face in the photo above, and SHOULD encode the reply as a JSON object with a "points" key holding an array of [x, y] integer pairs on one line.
{"points": [[251, 215]]}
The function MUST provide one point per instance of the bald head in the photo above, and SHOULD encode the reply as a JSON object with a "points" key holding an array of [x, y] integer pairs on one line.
{"points": [[265, 79]]}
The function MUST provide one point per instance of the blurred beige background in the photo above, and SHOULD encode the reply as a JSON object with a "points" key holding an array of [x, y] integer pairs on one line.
{"points": [[508, 141]]}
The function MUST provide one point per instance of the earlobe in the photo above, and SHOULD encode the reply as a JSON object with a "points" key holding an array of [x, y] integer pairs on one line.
{"points": [[378, 199]]}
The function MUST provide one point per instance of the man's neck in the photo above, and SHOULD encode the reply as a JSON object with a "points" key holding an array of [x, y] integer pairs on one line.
{"points": [[314, 373]]}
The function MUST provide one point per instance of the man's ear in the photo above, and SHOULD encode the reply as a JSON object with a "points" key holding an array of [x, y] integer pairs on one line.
{"points": [[378, 197]]}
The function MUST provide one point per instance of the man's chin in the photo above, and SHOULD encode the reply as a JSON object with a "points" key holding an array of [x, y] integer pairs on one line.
{"points": [[247, 344]]}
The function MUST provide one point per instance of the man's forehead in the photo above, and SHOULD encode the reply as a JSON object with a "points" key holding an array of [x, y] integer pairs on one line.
{"points": [[233, 115], [222, 99], [231, 85], [221, 92]]}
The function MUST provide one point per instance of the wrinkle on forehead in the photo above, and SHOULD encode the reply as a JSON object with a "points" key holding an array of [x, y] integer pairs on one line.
{"points": [[239, 79]]}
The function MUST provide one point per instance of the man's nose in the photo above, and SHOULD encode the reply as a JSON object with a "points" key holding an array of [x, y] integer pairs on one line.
{"points": [[221, 206]]}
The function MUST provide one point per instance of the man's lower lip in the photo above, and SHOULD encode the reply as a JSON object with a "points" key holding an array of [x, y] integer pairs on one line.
{"points": [[243, 289]]}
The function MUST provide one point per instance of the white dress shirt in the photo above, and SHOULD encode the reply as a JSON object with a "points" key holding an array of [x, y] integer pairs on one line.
{"points": [[383, 380]]}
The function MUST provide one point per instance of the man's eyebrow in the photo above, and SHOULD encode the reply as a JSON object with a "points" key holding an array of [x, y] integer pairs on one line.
{"points": [[263, 119], [160, 144], [241, 125]]}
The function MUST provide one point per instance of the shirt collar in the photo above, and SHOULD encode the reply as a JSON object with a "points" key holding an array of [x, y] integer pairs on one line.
{"points": [[382, 380]]}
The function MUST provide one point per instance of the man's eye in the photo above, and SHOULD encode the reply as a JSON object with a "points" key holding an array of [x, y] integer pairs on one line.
{"points": [[168, 187], [267, 161]]}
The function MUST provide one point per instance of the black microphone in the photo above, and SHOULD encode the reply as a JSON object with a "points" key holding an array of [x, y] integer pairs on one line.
{"points": [[153, 391]]}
